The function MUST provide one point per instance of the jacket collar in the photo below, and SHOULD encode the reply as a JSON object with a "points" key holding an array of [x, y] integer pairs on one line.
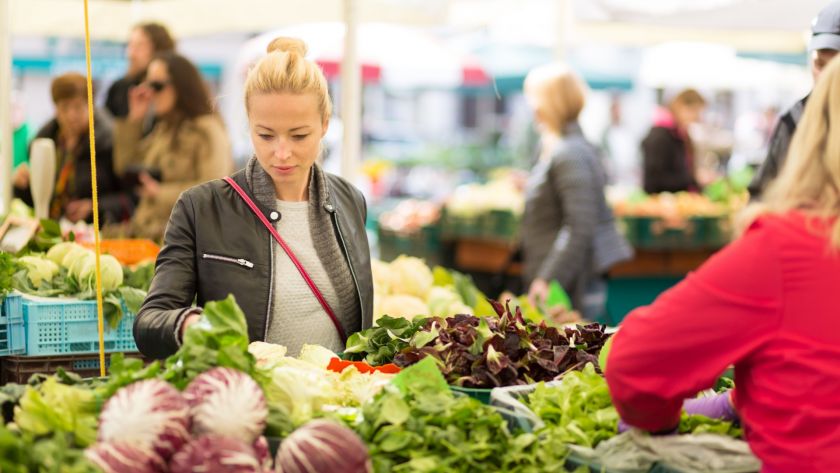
{"points": [[261, 188]]}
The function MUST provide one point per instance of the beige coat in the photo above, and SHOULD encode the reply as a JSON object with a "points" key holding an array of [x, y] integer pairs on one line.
{"points": [[203, 153]]}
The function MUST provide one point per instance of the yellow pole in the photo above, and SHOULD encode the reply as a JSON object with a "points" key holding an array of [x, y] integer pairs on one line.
{"points": [[95, 199]]}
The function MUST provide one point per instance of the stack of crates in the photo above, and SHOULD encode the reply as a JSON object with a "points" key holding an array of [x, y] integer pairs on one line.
{"points": [[39, 335]]}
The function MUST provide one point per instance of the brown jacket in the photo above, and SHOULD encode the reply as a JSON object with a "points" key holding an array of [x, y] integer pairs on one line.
{"points": [[201, 153]]}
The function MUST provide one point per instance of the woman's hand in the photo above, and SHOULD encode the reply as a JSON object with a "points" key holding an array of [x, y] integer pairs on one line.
{"points": [[21, 177], [139, 102], [191, 318], [149, 186], [79, 210], [538, 292]]}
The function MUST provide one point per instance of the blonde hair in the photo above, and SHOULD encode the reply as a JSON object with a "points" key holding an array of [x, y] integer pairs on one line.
{"points": [[286, 70], [687, 97], [810, 178], [557, 94]]}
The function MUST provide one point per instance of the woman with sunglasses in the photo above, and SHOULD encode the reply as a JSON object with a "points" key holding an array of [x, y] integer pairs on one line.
{"points": [[284, 237], [187, 146]]}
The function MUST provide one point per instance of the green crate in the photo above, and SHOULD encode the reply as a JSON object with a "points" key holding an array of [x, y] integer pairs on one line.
{"points": [[653, 233], [425, 244], [482, 395], [500, 224]]}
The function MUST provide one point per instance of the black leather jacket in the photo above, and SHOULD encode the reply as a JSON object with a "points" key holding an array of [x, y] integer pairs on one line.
{"points": [[213, 219]]}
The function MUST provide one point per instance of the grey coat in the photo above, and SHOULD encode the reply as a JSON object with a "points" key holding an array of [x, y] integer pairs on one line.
{"points": [[215, 246], [568, 230], [777, 149]]}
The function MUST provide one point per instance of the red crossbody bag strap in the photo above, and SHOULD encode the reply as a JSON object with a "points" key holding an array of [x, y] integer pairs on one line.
{"points": [[291, 255]]}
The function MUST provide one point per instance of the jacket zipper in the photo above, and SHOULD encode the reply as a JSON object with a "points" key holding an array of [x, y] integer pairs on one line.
{"points": [[241, 262], [331, 209]]}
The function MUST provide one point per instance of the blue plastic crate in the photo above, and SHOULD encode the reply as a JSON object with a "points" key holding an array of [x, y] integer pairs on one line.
{"points": [[59, 327], [12, 330]]}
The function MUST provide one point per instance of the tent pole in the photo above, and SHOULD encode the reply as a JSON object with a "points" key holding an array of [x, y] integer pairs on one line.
{"points": [[6, 140], [351, 92]]}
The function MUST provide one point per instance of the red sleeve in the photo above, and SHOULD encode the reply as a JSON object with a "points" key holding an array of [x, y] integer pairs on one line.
{"points": [[680, 344]]}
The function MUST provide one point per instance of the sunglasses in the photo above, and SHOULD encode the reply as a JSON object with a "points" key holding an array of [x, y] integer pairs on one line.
{"points": [[157, 85]]}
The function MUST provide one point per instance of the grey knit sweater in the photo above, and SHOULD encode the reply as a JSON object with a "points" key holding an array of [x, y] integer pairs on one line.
{"points": [[326, 247]]}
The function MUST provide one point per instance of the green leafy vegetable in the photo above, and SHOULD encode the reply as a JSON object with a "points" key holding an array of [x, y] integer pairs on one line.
{"points": [[423, 427], [53, 407], [579, 410], [8, 268], [219, 338], [140, 277], [379, 344], [699, 424]]}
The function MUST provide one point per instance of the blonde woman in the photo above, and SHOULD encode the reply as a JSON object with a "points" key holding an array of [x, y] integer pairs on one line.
{"points": [[286, 238], [568, 230], [767, 304]]}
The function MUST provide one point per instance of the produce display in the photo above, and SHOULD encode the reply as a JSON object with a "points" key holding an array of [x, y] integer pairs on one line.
{"points": [[670, 207], [222, 404], [423, 427], [482, 352], [67, 269], [407, 287], [409, 216], [501, 193]]}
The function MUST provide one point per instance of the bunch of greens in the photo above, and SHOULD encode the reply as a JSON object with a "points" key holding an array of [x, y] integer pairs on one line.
{"points": [[699, 424], [8, 268], [419, 425], [218, 339], [503, 350], [379, 344], [54, 453], [140, 277], [464, 286], [577, 410]]}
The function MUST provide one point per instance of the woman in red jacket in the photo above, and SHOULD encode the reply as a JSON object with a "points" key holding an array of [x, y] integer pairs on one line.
{"points": [[768, 303]]}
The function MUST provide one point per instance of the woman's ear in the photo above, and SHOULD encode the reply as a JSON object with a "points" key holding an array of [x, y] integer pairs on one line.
{"points": [[324, 127]]}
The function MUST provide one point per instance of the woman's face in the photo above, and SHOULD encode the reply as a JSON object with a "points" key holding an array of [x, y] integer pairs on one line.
{"points": [[72, 116], [286, 130], [139, 51], [161, 84], [687, 115]]}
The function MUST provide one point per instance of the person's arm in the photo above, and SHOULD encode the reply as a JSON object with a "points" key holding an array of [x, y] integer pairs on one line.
{"points": [[776, 152], [679, 345], [212, 155], [173, 287], [128, 144], [574, 180], [661, 163]]}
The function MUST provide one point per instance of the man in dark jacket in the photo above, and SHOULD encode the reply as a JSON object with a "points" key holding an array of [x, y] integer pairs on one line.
{"points": [[825, 42]]}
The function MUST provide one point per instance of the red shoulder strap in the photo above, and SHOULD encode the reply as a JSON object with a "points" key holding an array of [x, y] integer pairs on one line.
{"points": [[315, 291]]}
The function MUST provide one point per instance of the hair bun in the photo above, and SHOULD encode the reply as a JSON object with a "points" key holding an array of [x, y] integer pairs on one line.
{"points": [[287, 45]]}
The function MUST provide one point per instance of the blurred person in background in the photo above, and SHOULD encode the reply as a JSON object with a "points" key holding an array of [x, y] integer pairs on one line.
{"points": [[766, 304], [70, 132], [569, 233], [187, 146], [145, 40], [824, 44], [669, 157]]}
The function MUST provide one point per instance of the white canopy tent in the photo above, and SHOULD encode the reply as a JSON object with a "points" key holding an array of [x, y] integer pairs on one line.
{"points": [[112, 19], [776, 26]]}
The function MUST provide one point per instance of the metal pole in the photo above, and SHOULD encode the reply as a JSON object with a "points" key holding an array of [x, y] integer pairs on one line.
{"points": [[565, 19], [351, 95], [6, 135]]}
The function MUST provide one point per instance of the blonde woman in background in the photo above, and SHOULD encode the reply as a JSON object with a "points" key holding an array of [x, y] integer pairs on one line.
{"points": [[767, 304], [569, 233], [318, 289]]}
